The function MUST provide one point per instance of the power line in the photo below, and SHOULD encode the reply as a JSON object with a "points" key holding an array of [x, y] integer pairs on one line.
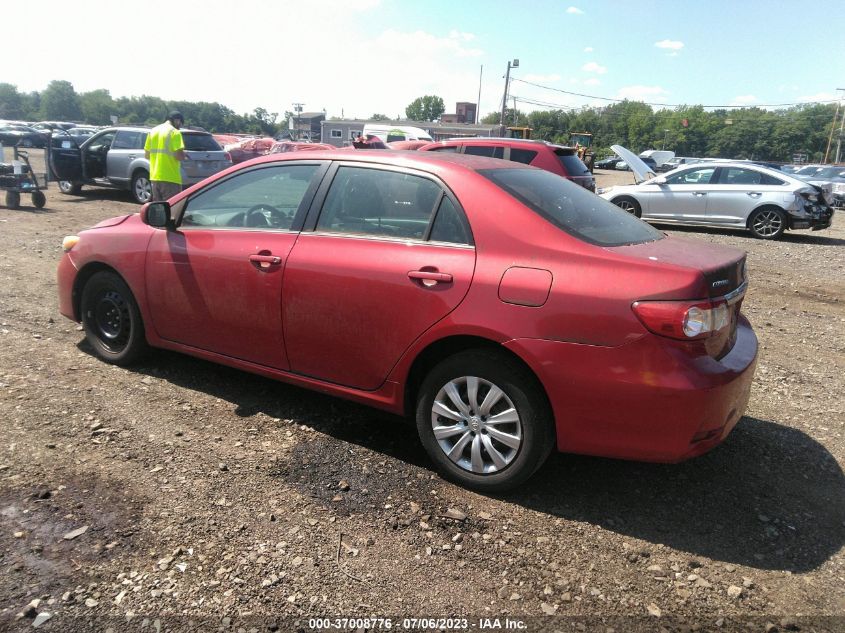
{"points": [[673, 105]]}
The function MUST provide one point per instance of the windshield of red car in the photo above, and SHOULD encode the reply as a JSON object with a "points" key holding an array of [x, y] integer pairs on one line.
{"points": [[572, 208]]}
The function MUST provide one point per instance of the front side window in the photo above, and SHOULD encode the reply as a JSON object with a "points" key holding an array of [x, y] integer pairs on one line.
{"points": [[379, 202], [265, 198], [129, 139], [572, 208], [699, 176]]}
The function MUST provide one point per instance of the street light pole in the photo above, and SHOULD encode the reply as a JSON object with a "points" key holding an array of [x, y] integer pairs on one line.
{"points": [[505, 98], [839, 140], [665, 132]]}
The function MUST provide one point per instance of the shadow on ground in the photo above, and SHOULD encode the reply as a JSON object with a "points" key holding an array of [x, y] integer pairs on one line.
{"points": [[771, 497]]}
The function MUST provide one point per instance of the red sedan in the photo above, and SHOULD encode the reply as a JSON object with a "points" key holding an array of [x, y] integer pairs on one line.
{"points": [[507, 309]]}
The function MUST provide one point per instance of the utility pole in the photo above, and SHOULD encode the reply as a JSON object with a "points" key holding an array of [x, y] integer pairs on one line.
{"points": [[478, 104], [515, 64], [665, 132], [839, 139]]}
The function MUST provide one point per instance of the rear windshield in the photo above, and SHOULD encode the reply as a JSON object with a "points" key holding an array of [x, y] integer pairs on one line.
{"points": [[573, 208], [201, 143], [573, 165]]}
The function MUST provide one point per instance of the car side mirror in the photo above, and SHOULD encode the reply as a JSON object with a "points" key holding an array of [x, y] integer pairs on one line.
{"points": [[660, 180], [157, 215]]}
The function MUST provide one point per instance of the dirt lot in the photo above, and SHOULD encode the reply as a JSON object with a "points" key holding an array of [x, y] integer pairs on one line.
{"points": [[216, 500]]}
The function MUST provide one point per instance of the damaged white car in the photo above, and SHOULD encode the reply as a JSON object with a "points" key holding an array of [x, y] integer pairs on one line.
{"points": [[738, 195]]}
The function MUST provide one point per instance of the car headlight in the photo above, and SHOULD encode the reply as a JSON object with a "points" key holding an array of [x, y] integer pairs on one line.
{"points": [[69, 242], [602, 190]]}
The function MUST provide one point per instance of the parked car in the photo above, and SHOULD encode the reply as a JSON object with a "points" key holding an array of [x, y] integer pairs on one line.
{"points": [[12, 135], [649, 162], [607, 163], [280, 147], [246, 149], [78, 134], [558, 159], [832, 176], [726, 195], [508, 310], [407, 145], [114, 157]]}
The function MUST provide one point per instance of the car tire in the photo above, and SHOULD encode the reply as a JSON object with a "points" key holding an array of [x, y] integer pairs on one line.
{"points": [[142, 188], [767, 223], [468, 448], [629, 204], [38, 199], [111, 319], [13, 199], [70, 188]]}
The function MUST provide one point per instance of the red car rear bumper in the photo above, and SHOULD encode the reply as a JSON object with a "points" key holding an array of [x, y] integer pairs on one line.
{"points": [[649, 400]]}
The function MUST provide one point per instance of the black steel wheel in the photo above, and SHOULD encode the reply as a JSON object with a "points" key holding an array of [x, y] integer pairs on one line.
{"points": [[13, 199], [111, 319], [767, 223], [484, 420], [38, 199]]}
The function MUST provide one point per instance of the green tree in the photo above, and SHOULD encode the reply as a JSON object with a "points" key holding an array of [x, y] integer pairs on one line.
{"points": [[10, 102], [60, 101], [97, 107], [380, 117], [427, 108]]}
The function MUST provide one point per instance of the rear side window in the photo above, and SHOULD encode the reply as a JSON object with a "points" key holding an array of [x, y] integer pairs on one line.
{"points": [[573, 165], [200, 143], [449, 225], [572, 208], [379, 202], [524, 156], [491, 151]]}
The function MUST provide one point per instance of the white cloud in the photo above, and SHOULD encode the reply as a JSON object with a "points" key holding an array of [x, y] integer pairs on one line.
{"points": [[542, 78], [588, 49], [674, 45], [574, 11], [592, 81], [654, 94], [461, 35], [593, 67], [744, 100]]}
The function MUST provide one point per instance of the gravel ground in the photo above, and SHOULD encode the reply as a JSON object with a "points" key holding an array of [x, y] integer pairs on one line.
{"points": [[181, 495]]}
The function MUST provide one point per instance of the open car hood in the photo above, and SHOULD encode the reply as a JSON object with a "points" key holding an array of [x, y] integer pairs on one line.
{"points": [[641, 170]]}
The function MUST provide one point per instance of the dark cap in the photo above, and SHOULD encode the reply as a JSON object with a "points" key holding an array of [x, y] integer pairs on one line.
{"points": [[175, 115]]}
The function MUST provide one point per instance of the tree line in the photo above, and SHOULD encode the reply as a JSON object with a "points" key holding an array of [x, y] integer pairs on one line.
{"points": [[60, 102], [753, 133], [741, 133]]}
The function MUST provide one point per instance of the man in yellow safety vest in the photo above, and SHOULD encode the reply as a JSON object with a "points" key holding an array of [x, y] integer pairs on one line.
{"points": [[164, 149]]}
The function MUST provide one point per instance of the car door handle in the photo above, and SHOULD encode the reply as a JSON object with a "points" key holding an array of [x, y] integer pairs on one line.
{"points": [[754, 194], [699, 193], [273, 260], [428, 275]]}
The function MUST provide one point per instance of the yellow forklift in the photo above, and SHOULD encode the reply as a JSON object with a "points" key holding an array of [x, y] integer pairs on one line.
{"points": [[583, 142]]}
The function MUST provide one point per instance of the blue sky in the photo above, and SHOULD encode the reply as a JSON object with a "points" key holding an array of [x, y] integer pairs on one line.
{"points": [[359, 57]]}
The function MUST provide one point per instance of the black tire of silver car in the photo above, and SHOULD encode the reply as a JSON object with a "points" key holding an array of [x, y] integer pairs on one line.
{"points": [[111, 319], [38, 199], [484, 420], [13, 199], [70, 188], [629, 204], [767, 223], [142, 189]]}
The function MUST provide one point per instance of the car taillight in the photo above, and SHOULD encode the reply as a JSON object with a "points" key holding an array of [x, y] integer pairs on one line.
{"points": [[684, 320]]}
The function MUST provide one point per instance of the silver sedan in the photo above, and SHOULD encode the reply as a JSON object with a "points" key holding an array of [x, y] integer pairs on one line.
{"points": [[728, 195]]}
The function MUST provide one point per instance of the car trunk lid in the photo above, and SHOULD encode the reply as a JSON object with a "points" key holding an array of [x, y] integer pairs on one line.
{"points": [[721, 279]]}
